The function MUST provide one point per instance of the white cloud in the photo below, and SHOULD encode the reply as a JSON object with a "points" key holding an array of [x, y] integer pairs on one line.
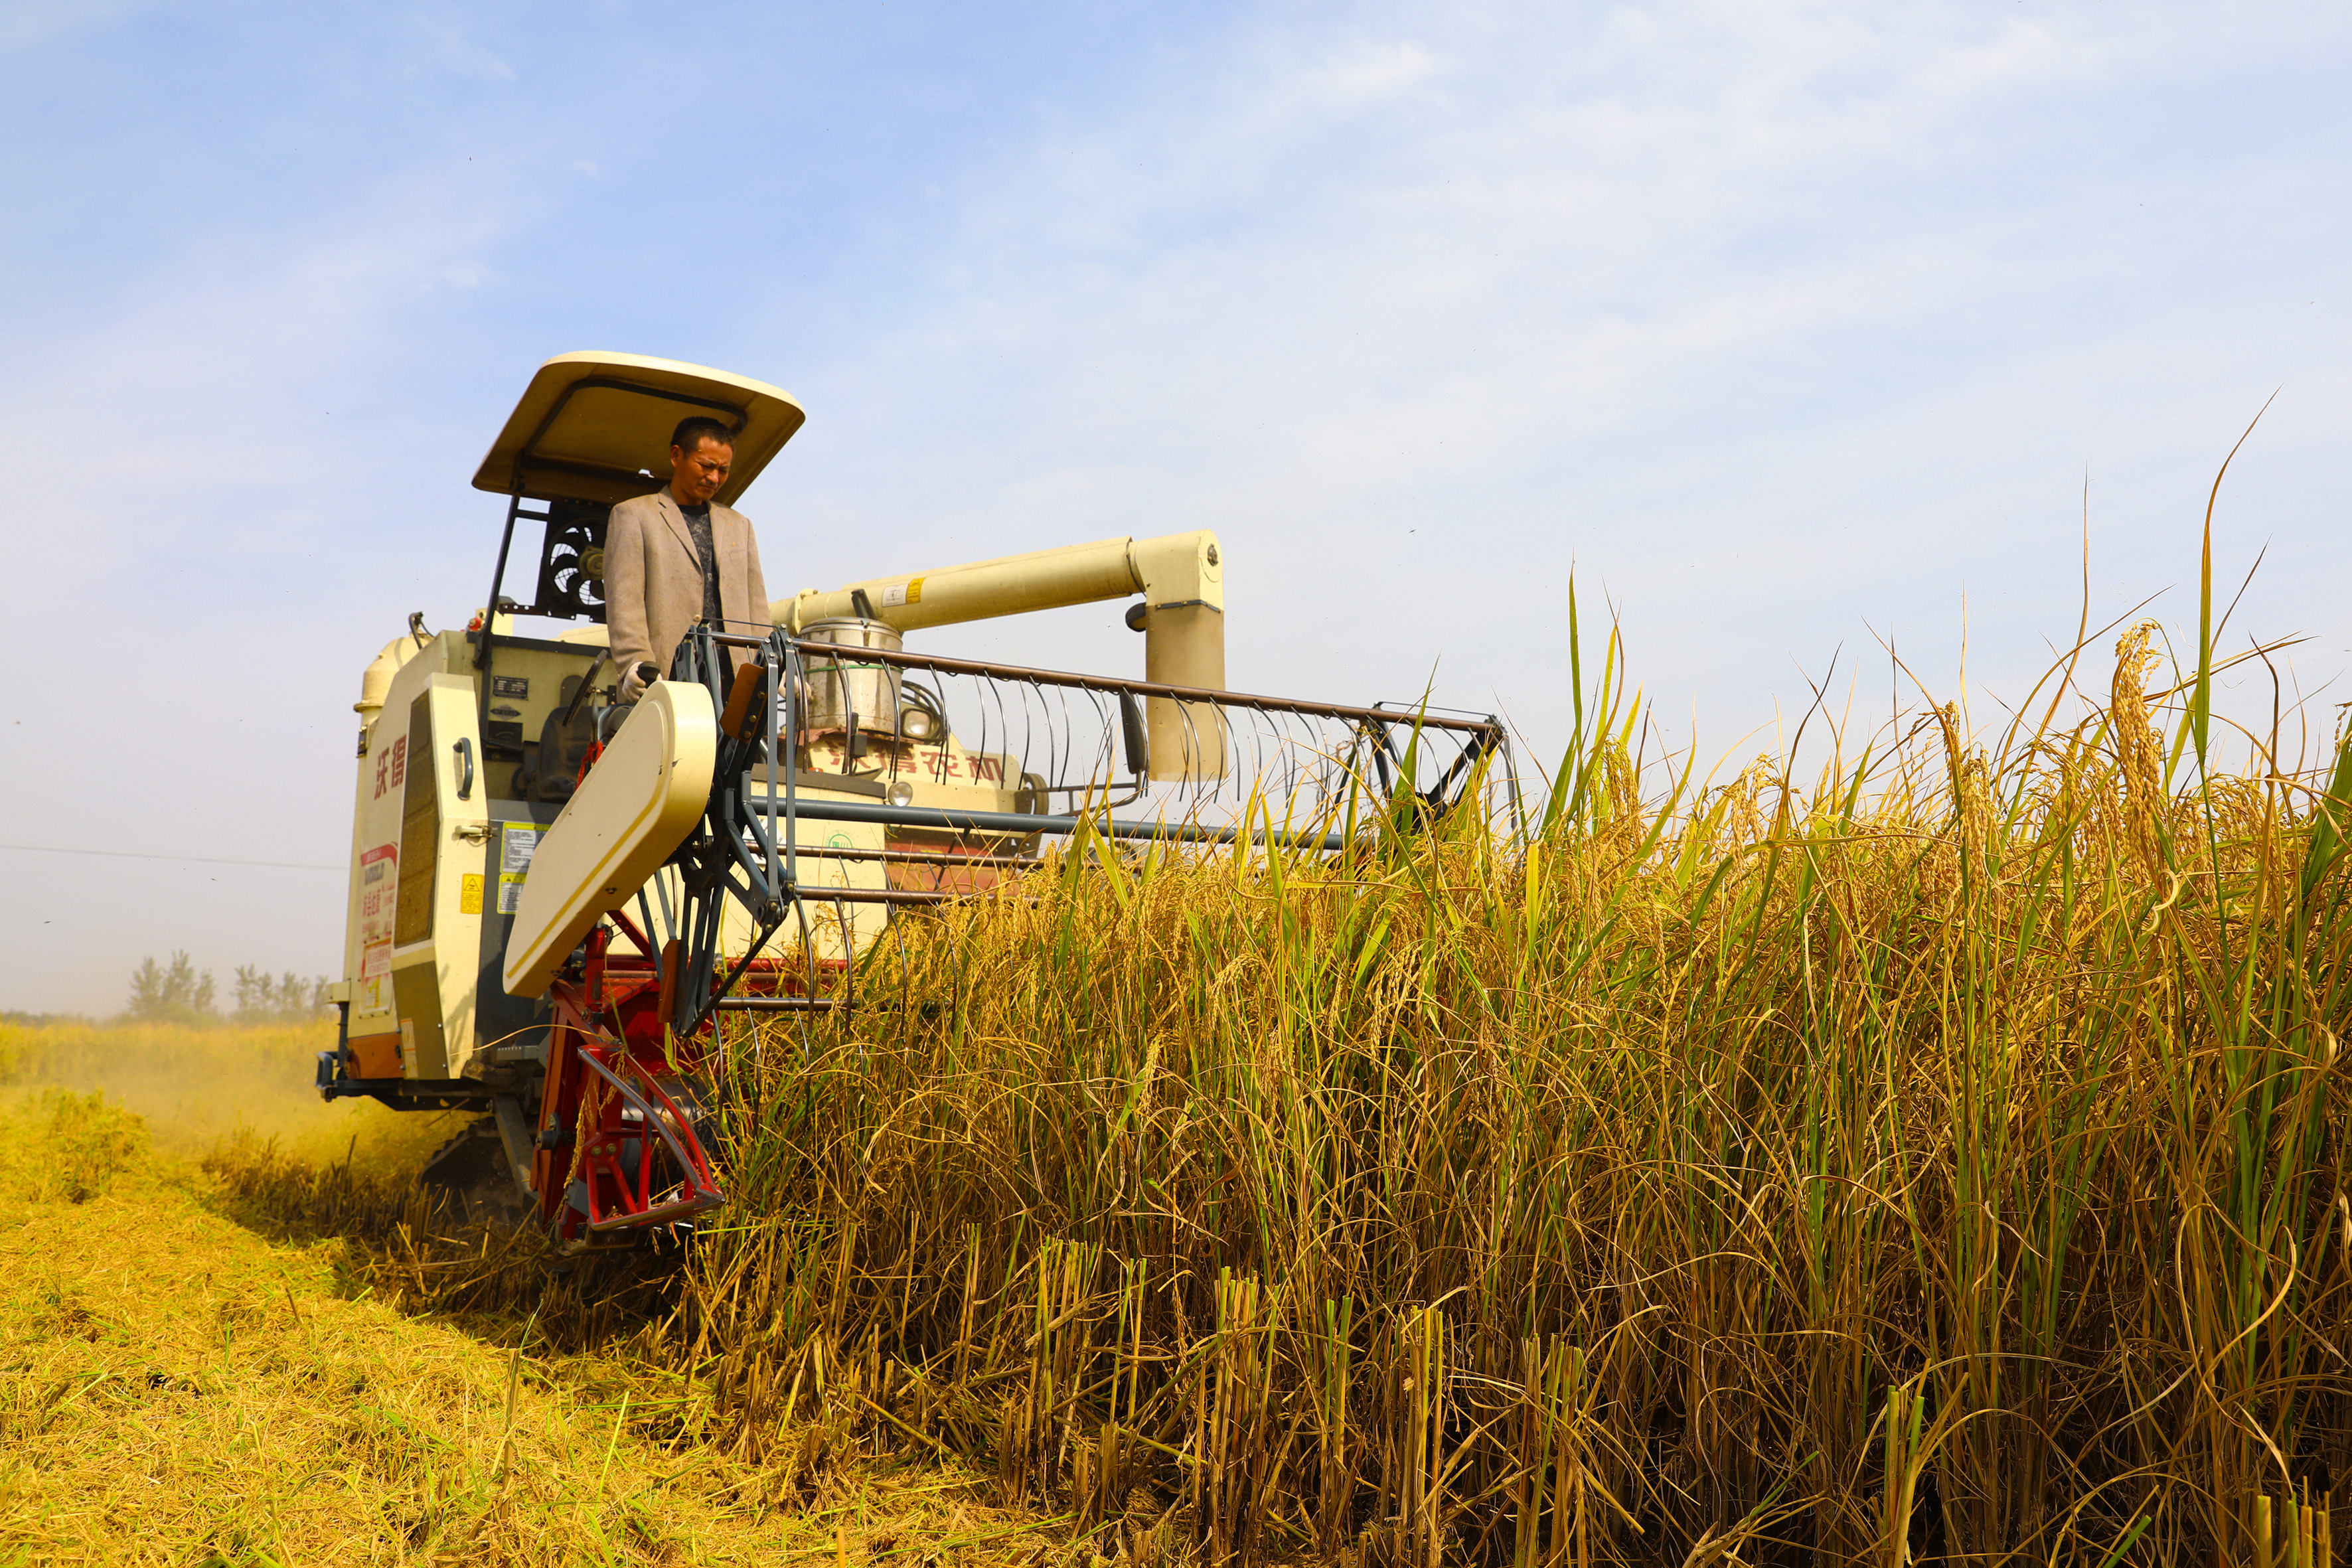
{"points": [[1780, 316], [26, 23], [1367, 75], [454, 50]]}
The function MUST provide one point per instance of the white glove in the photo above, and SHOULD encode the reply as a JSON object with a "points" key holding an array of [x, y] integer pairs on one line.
{"points": [[634, 680]]}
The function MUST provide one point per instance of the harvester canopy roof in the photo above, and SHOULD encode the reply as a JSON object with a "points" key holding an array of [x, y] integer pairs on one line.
{"points": [[596, 427]]}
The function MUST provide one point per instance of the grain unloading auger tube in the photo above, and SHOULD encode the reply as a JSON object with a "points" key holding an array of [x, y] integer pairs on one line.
{"points": [[557, 902]]}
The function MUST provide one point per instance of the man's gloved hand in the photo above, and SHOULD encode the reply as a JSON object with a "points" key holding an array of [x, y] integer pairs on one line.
{"points": [[635, 678]]}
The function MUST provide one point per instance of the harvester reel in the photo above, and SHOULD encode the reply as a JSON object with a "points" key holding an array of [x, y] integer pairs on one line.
{"points": [[736, 855], [625, 1103], [637, 1162], [619, 1149]]}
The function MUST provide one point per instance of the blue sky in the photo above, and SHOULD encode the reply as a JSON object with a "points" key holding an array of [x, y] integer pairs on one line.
{"points": [[1785, 328]]}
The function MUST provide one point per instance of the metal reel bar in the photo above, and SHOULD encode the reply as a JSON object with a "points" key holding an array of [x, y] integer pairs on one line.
{"points": [[625, 1113], [1070, 734]]}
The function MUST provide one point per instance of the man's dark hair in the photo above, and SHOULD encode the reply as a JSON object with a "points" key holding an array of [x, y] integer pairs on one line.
{"points": [[691, 430]]}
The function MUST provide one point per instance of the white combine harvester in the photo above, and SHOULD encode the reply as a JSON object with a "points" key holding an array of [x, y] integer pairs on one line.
{"points": [[552, 896]]}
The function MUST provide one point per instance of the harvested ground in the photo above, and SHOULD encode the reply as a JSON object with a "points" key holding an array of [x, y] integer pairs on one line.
{"points": [[184, 1381]]}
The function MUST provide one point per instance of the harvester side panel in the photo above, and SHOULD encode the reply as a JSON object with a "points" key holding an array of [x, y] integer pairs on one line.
{"points": [[447, 814], [373, 1026], [416, 896], [437, 928]]}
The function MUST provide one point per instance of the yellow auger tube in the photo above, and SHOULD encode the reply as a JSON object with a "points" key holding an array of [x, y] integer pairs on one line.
{"points": [[1181, 579], [637, 804]]}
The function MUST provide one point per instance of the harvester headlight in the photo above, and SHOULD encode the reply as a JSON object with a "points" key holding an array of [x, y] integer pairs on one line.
{"points": [[902, 793]]}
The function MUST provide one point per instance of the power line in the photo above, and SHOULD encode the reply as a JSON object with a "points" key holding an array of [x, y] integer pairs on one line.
{"points": [[115, 822], [196, 859]]}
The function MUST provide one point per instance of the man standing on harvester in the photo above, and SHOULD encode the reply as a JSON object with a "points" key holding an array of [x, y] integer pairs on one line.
{"points": [[675, 557]]}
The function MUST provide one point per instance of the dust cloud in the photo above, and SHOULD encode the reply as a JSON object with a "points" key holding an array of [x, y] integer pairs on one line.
{"points": [[195, 1087]]}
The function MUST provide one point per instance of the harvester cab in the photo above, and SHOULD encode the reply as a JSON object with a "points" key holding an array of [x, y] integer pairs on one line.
{"points": [[557, 900]]}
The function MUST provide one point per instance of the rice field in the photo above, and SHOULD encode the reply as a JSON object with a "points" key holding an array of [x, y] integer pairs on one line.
{"points": [[192, 1086], [1939, 1157]]}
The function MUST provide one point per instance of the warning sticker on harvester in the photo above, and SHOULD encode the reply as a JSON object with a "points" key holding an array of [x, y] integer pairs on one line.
{"points": [[903, 593], [516, 843], [377, 881], [469, 894]]}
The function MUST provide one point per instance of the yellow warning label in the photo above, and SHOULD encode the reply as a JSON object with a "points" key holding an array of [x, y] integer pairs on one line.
{"points": [[469, 894], [915, 592]]}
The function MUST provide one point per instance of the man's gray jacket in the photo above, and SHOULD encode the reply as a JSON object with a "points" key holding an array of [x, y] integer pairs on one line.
{"points": [[653, 578]]}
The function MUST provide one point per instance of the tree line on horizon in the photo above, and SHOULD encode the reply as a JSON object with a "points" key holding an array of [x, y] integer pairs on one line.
{"points": [[176, 992]]}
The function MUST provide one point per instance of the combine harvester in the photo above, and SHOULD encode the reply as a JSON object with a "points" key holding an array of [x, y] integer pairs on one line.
{"points": [[555, 900]]}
